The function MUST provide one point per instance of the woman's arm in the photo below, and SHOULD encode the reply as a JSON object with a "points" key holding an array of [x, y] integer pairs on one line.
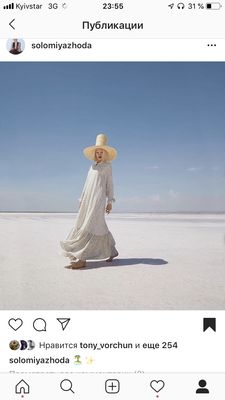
{"points": [[109, 189]]}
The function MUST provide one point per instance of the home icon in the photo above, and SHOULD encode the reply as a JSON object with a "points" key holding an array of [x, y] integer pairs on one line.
{"points": [[22, 387]]}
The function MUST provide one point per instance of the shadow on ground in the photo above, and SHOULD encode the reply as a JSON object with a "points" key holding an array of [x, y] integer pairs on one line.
{"points": [[123, 262]]}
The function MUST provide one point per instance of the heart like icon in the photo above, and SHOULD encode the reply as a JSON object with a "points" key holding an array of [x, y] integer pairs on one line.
{"points": [[157, 385], [15, 324]]}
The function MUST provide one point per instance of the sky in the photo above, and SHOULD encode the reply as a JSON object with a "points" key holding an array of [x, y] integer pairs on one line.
{"points": [[166, 120]]}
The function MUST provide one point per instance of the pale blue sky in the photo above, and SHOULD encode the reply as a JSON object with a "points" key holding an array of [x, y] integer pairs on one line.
{"points": [[167, 121]]}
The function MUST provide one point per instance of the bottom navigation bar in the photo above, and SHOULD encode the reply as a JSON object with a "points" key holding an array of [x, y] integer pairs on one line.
{"points": [[123, 385]]}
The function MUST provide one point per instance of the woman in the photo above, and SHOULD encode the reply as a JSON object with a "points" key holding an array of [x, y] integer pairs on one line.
{"points": [[90, 238], [15, 47]]}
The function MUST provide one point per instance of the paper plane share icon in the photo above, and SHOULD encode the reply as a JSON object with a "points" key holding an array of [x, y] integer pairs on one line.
{"points": [[64, 322]]}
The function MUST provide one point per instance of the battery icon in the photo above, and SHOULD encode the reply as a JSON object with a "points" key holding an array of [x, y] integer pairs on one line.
{"points": [[213, 6]]}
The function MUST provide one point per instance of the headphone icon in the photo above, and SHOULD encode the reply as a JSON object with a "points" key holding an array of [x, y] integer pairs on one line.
{"points": [[180, 6]]}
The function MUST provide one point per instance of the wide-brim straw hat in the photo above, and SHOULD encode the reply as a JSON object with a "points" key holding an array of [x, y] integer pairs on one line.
{"points": [[101, 143]]}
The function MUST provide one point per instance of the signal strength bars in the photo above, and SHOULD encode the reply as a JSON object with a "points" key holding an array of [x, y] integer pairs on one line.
{"points": [[9, 6]]}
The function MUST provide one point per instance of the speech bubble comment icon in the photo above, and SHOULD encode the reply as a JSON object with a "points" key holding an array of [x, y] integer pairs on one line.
{"points": [[40, 325]]}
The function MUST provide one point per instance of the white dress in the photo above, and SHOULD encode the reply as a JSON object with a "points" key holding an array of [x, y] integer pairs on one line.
{"points": [[90, 238]]}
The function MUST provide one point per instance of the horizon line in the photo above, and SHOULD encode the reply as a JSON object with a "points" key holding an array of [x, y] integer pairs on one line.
{"points": [[116, 212]]}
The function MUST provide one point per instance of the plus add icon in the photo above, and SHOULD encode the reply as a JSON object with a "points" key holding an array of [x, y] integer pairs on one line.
{"points": [[112, 386]]}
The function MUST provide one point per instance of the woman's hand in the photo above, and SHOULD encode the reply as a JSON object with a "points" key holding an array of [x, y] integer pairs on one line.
{"points": [[108, 208]]}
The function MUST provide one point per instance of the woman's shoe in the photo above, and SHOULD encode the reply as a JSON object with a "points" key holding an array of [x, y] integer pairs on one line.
{"points": [[78, 264], [112, 257]]}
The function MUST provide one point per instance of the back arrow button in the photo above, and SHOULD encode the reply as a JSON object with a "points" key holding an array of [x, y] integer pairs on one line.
{"points": [[10, 24]]}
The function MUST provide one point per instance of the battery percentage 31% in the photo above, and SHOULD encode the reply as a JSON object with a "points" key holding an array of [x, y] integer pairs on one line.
{"points": [[196, 6]]}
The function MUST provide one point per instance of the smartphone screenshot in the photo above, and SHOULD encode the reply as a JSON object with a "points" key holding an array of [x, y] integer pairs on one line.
{"points": [[112, 200]]}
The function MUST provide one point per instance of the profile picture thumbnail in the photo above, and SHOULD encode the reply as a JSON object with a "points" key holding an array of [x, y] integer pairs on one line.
{"points": [[15, 46], [14, 345]]}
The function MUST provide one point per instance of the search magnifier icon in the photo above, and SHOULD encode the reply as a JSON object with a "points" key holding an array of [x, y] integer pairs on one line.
{"points": [[66, 385]]}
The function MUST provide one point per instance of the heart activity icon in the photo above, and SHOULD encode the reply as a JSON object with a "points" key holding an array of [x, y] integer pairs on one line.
{"points": [[157, 385], [15, 324]]}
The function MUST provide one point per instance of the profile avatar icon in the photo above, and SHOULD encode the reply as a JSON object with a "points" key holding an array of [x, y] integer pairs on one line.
{"points": [[202, 389], [15, 46], [23, 345], [31, 345], [14, 345]]}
